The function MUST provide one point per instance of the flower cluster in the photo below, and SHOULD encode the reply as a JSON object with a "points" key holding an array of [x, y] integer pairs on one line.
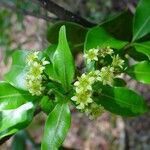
{"points": [[103, 52], [83, 87], [94, 53], [84, 91], [106, 74], [35, 74]]}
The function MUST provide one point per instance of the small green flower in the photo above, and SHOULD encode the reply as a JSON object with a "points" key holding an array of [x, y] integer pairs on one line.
{"points": [[84, 83], [92, 55], [107, 75], [94, 110], [36, 69], [35, 87], [96, 75], [32, 57], [45, 62], [105, 51], [82, 99], [117, 61]]}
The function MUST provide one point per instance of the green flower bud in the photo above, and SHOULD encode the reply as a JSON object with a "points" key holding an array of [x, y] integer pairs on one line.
{"points": [[117, 61], [92, 55]]}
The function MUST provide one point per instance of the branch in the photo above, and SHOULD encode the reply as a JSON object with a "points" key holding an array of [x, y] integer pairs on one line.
{"points": [[63, 14], [51, 7]]}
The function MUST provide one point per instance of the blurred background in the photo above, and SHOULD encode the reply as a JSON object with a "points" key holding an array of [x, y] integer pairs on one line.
{"points": [[23, 25]]}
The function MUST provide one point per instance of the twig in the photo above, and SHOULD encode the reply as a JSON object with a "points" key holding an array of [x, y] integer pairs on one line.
{"points": [[64, 14], [51, 7]]}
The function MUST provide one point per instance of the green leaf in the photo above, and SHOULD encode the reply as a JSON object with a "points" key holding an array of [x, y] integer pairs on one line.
{"points": [[141, 23], [144, 38], [97, 36], [119, 82], [120, 26], [56, 127], [50, 71], [46, 104], [136, 55], [140, 72], [50, 50], [56, 88], [122, 101], [75, 34], [11, 98], [63, 61], [16, 75], [11, 121], [143, 48]]}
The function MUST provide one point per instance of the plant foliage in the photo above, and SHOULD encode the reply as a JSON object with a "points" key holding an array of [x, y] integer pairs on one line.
{"points": [[50, 80]]}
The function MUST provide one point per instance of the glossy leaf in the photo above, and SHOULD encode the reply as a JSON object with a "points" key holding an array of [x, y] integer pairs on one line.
{"points": [[11, 121], [141, 24], [63, 61], [140, 72], [11, 98], [46, 104], [119, 82], [75, 34], [49, 69], [143, 48], [56, 127], [136, 55], [98, 37], [16, 75], [120, 25], [122, 101], [49, 51]]}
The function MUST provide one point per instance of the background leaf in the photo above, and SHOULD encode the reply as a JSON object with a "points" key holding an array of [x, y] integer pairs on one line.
{"points": [[16, 75], [49, 69], [49, 51], [136, 55], [122, 101], [118, 27], [56, 127], [119, 82], [63, 61], [140, 71], [97, 36], [143, 48], [141, 23], [11, 121], [75, 34], [11, 98]]}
